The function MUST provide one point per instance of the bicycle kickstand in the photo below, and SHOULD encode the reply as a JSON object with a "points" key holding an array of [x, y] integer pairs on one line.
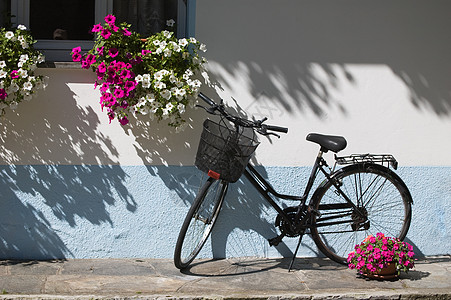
{"points": [[295, 253]]}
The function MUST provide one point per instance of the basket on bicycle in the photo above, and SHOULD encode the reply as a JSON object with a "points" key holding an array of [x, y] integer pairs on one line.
{"points": [[223, 151]]}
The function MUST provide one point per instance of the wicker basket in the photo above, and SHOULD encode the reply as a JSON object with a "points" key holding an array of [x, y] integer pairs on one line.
{"points": [[223, 151]]}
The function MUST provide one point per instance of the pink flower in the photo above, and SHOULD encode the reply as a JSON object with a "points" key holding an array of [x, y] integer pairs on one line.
{"points": [[372, 240], [119, 93], [144, 52], [76, 50], [113, 52], [126, 32], [123, 121], [76, 57], [101, 69], [410, 254], [97, 28], [3, 94], [14, 74], [100, 51], [105, 33], [110, 19], [114, 28]]}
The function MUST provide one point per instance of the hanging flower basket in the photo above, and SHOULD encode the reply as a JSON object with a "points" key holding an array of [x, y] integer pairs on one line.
{"points": [[381, 257], [18, 62], [150, 76]]}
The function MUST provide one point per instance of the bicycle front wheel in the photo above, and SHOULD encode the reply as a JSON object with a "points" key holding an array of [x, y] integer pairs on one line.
{"points": [[199, 221], [382, 203]]}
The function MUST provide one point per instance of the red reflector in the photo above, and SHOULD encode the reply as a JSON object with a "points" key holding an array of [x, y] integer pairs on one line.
{"points": [[213, 174]]}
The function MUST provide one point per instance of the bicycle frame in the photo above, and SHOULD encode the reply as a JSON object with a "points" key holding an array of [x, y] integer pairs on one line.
{"points": [[268, 192]]}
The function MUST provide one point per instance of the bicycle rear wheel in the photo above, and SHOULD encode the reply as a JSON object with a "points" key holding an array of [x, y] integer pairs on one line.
{"points": [[383, 205], [199, 221]]}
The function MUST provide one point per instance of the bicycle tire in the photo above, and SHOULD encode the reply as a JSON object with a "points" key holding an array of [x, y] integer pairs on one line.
{"points": [[377, 191], [199, 222]]}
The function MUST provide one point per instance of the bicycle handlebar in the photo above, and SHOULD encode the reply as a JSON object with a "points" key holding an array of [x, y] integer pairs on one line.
{"points": [[261, 128]]}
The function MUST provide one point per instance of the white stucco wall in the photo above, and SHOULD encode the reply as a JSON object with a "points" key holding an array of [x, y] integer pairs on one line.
{"points": [[376, 72]]}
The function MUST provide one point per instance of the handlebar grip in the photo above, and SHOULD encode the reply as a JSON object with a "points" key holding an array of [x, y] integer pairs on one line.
{"points": [[206, 99], [277, 128]]}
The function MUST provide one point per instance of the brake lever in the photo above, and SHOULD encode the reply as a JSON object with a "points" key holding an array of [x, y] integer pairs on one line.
{"points": [[211, 110], [266, 133]]}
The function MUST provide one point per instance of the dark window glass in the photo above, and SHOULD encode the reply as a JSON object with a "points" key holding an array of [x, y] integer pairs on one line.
{"points": [[5, 13], [146, 16], [62, 19]]}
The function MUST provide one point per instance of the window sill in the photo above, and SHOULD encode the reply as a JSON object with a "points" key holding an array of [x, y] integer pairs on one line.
{"points": [[60, 65]]}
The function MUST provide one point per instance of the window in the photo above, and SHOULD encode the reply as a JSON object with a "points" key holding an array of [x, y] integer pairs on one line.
{"points": [[59, 26]]}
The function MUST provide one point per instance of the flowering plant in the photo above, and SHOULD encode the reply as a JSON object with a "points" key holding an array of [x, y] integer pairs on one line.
{"points": [[375, 253], [18, 61], [150, 76]]}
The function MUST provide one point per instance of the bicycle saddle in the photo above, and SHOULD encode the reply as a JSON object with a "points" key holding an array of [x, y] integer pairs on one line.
{"points": [[328, 142]]}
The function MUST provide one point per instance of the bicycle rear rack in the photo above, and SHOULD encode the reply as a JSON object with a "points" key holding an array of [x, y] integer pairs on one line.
{"points": [[367, 158]]}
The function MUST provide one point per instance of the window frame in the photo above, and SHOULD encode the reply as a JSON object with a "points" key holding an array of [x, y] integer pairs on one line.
{"points": [[59, 50]]}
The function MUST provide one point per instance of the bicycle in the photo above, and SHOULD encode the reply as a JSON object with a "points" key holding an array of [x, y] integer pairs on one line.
{"points": [[362, 197]]}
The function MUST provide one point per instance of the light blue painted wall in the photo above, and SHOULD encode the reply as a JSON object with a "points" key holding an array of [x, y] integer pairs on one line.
{"points": [[86, 211]]}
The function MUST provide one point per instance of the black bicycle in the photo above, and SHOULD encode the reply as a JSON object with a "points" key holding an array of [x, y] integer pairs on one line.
{"points": [[363, 197]]}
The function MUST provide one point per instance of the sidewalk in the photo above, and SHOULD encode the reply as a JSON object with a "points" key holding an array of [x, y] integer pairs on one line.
{"points": [[246, 278]]}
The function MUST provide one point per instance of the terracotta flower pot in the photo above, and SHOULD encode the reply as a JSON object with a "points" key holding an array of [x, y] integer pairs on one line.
{"points": [[387, 273]]}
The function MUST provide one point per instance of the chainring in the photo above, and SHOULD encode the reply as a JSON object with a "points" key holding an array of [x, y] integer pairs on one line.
{"points": [[284, 226]]}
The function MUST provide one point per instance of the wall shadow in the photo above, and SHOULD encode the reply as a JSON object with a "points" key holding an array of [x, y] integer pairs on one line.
{"points": [[170, 156], [297, 53], [47, 172]]}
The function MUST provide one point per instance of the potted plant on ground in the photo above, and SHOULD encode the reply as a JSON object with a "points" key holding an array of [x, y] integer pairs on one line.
{"points": [[381, 257], [152, 76], [18, 62]]}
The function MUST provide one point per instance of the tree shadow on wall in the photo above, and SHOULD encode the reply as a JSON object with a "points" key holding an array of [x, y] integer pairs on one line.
{"points": [[47, 172], [301, 57], [247, 220]]}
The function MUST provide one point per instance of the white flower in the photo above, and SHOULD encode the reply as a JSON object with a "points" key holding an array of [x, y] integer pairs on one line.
{"points": [[23, 57], [146, 84], [22, 73], [146, 77], [189, 72], [167, 34], [28, 86], [9, 35], [181, 108], [13, 105], [27, 96], [150, 97], [2, 64], [193, 40], [172, 79], [139, 78], [3, 73], [169, 106], [203, 47], [156, 42], [170, 22], [166, 94], [183, 42], [158, 76], [167, 53], [160, 85], [22, 27], [13, 88], [180, 93]]}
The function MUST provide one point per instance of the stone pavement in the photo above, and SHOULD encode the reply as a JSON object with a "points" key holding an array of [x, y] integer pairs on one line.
{"points": [[246, 278]]}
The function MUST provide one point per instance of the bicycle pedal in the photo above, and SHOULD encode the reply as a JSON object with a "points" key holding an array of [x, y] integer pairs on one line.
{"points": [[275, 241]]}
